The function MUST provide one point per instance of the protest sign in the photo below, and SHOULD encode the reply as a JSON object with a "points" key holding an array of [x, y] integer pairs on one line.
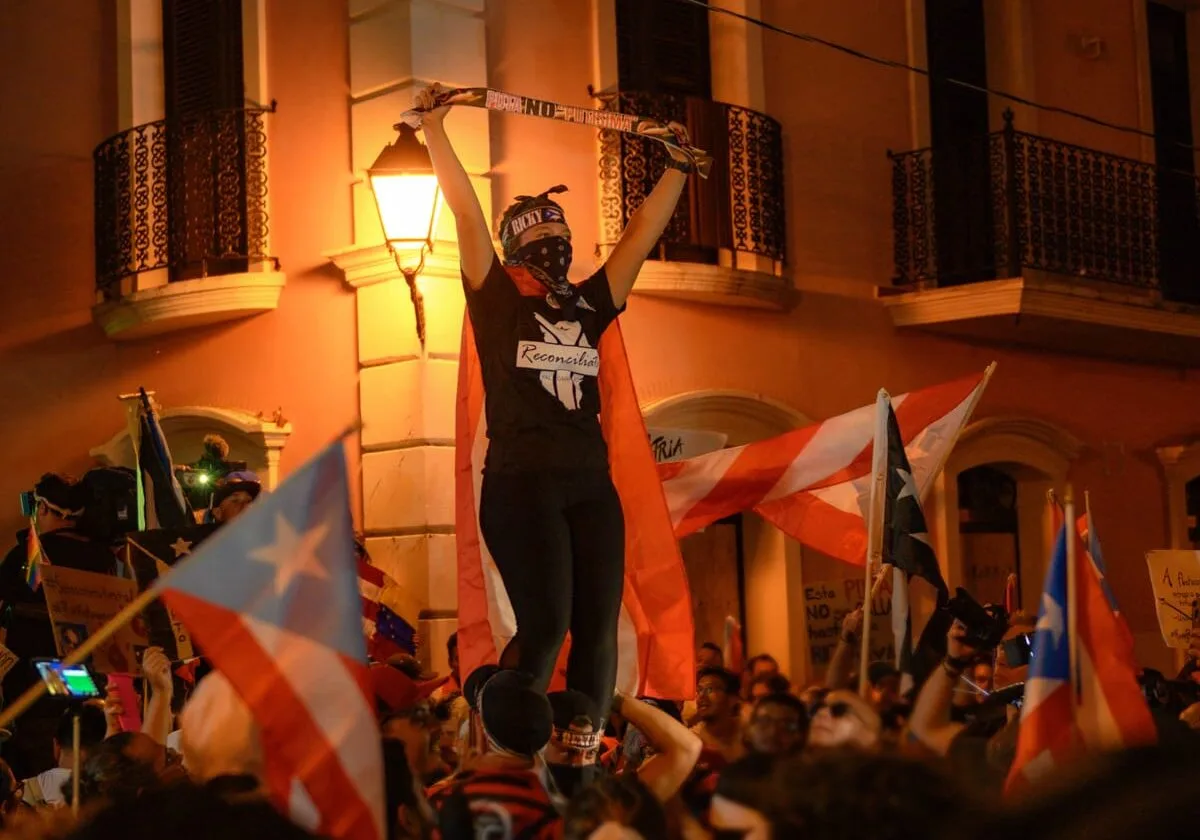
{"points": [[80, 603], [7, 660], [826, 604], [1175, 578]]}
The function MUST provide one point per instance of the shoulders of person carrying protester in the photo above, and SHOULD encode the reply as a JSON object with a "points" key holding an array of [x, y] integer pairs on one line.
{"points": [[503, 794]]}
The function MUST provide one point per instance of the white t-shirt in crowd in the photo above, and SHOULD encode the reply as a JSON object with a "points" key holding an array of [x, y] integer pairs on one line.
{"points": [[51, 784]]}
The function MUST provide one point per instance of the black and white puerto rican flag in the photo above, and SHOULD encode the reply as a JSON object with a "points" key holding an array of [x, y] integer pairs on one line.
{"points": [[907, 548]]}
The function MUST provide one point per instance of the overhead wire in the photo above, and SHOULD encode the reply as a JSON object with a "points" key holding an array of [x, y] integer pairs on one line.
{"points": [[923, 71]]}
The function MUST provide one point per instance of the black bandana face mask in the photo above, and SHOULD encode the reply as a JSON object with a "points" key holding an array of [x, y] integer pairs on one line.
{"points": [[548, 259]]}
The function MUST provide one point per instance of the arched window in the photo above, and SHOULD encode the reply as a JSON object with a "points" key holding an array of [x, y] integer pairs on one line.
{"points": [[256, 440], [1007, 465]]}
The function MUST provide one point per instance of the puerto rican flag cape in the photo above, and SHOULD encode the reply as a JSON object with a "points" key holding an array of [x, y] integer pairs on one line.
{"points": [[655, 635]]}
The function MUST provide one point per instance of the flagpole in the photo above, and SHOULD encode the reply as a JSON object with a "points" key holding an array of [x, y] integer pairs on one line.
{"points": [[875, 526], [133, 404], [1072, 595]]}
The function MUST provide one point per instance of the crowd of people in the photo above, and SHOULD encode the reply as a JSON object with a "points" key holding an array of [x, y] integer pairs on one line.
{"points": [[490, 755]]}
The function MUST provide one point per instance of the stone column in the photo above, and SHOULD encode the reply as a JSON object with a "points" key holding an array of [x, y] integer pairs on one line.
{"points": [[406, 393]]}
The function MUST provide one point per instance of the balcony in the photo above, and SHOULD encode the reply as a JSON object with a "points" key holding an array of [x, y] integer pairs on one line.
{"points": [[726, 241], [181, 225], [1021, 239]]}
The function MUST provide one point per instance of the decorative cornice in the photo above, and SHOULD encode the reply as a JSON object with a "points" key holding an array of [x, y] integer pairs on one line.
{"points": [[190, 303], [1039, 431], [715, 284], [366, 265], [1040, 294], [1180, 461], [682, 410], [259, 430]]}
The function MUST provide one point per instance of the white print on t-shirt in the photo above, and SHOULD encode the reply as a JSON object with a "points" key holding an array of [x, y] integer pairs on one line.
{"points": [[564, 358]]}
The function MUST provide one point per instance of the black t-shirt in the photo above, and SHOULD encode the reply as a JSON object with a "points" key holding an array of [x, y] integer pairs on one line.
{"points": [[540, 373]]}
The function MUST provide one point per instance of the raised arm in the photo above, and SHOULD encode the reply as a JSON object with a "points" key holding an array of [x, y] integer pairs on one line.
{"points": [[930, 722], [474, 236], [157, 669], [841, 663], [678, 747], [644, 228]]}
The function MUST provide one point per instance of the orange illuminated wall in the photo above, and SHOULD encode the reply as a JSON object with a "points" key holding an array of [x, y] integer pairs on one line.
{"points": [[59, 374]]}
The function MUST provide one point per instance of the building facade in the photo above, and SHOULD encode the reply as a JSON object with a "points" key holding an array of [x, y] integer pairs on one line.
{"points": [[185, 208]]}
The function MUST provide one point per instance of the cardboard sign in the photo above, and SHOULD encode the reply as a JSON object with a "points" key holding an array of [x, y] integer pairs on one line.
{"points": [[826, 604], [80, 603], [7, 660], [1175, 578]]}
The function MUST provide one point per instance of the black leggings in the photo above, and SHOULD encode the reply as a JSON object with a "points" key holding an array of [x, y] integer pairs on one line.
{"points": [[558, 540]]}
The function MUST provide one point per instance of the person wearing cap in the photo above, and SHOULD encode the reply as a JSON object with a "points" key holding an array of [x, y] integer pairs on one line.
{"points": [[575, 743], [548, 511], [233, 494], [503, 794]]}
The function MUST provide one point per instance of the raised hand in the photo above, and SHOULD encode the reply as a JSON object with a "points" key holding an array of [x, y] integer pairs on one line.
{"points": [[157, 668], [426, 101], [852, 624]]}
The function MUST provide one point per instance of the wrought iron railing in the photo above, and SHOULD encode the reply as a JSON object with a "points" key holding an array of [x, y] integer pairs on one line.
{"points": [[1014, 200], [189, 196], [738, 208]]}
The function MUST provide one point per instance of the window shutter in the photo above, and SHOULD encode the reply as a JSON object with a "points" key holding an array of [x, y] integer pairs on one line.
{"points": [[202, 56], [662, 47], [206, 137]]}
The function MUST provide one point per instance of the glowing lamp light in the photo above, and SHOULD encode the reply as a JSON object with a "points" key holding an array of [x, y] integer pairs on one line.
{"points": [[409, 200]]}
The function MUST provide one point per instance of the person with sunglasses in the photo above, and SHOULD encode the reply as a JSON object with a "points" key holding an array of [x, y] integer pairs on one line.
{"points": [[843, 719]]}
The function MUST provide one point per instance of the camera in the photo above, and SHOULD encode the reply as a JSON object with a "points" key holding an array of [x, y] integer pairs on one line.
{"points": [[1018, 651], [986, 626], [1172, 696]]}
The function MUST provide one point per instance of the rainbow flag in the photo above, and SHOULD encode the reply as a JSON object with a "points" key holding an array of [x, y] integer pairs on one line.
{"points": [[34, 558]]}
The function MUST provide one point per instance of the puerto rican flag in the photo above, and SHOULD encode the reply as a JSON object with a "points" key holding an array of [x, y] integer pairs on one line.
{"points": [[1047, 734], [273, 599], [655, 635], [814, 483], [1100, 706]]}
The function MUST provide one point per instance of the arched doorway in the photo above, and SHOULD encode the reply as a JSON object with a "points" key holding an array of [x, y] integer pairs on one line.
{"points": [[747, 556], [989, 505]]}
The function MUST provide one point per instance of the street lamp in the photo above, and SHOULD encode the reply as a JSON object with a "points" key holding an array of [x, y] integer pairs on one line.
{"points": [[407, 196]]}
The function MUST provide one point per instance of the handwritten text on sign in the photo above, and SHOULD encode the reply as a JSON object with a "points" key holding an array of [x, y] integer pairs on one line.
{"points": [[1175, 578], [826, 604], [80, 603], [7, 660]]}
